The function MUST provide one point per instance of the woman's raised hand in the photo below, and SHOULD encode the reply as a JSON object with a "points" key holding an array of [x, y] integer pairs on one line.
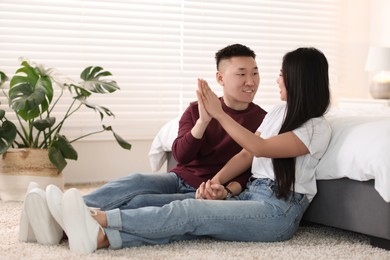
{"points": [[209, 99]]}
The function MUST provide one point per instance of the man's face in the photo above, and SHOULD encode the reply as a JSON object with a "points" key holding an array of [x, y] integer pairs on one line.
{"points": [[239, 77]]}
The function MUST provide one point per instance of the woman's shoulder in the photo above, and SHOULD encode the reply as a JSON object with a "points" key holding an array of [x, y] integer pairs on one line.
{"points": [[320, 122], [318, 126], [277, 109]]}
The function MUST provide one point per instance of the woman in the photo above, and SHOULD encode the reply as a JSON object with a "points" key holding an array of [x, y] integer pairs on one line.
{"points": [[293, 138]]}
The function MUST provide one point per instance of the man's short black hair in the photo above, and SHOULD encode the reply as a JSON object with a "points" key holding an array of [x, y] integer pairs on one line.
{"points": [[234, 50]]}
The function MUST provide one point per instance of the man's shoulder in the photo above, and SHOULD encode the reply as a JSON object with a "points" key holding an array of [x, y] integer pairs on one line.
{"points": [[257, 109]]}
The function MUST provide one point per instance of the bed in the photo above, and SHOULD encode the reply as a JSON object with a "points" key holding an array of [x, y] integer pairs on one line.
{"points": [[353, 177]]}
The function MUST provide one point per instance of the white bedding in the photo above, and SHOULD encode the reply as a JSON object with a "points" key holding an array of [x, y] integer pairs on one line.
{"points": [[162, 143], [360, 150]]}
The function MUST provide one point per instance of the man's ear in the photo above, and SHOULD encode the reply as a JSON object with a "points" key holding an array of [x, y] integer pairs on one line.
{"points": [[219, 78]]}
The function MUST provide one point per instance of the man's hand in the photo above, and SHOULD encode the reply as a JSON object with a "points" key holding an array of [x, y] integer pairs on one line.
{"points": [[204, 118], [203, 115]]}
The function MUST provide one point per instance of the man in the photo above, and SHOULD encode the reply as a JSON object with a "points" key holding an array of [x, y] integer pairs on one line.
{"points": [[202, 147]]}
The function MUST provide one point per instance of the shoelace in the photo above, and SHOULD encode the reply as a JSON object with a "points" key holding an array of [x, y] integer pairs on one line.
{"points": [[94, 212]]}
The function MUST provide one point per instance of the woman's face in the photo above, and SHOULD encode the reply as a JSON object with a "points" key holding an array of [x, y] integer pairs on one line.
{"points": [[282, 87]]}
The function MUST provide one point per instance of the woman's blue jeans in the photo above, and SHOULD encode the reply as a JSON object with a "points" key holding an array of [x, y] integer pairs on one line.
{"points": [[255, 215], [139, 190]]}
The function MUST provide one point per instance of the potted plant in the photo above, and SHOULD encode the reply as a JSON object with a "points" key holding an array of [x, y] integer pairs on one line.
{"points": [[33, 94]]}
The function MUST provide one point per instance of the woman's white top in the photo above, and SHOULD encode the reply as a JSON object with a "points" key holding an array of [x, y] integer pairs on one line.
{"points": [[315, 134]]}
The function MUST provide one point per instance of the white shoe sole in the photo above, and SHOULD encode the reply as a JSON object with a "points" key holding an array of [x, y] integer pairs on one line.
{"points": [[81, 228], [26, 233], [45, 227]]}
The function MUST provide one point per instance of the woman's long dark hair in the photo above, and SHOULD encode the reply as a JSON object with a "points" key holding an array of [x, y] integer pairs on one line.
{"points": [[305, 75]]}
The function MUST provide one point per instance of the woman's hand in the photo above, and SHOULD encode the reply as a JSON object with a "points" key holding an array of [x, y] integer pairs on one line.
{"points": [[209, 99], [211, 191]]}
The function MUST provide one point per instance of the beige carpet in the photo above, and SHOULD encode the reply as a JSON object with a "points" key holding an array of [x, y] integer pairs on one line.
{"points": [[311, 242]]}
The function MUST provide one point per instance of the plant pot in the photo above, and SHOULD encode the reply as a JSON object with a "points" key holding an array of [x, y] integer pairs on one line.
{"points": [[18, 167]]}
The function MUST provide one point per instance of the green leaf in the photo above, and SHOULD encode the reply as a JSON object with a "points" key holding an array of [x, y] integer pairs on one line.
{"points": [[56, 158], [81, 93], [3, 78], [7, 135], [101, 110], [2, 114], [60, 150], [30, 92], [43, 124], [93, 82], [67, 150], [122, 142]]}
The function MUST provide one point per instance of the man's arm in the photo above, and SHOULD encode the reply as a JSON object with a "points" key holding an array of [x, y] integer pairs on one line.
{"points": [[189, 140]]}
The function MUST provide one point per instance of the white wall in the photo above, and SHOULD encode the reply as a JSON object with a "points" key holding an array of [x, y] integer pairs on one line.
{"points": [[364, 23], [105, 160], [380, 22], [353, 80]]}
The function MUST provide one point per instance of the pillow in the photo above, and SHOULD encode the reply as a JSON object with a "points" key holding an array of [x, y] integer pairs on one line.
{"points": [[162, 143], [360, 150]]}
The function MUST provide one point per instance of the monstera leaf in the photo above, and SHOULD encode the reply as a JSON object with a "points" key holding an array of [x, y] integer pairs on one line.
{"points": [[30, 92], [93, 82]]}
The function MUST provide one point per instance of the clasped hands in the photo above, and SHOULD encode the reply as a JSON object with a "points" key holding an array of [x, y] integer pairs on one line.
{"points": [[211, 191]]}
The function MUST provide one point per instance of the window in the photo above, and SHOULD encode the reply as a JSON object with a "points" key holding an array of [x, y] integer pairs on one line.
{"points": [[157, 49]]}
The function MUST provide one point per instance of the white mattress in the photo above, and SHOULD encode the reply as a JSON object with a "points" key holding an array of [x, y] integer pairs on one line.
{"points": [[359, 149]]}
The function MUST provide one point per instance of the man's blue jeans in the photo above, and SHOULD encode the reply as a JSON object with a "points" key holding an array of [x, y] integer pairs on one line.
{"points": [[139, 190], [255, 215]]}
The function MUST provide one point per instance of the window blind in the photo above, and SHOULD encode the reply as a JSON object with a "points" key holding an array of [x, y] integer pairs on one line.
{"points": [[157, 49]]}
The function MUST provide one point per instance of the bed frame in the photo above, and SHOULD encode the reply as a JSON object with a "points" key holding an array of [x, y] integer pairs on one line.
{"points": [[352, 205], [347, 204]]}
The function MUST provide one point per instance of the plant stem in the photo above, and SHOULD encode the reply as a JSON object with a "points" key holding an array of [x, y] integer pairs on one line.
{"points": [[83, 136], [25, 135], [67, 114]]}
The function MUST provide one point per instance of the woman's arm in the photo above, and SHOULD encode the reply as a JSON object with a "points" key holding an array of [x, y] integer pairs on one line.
{"points": [[281, 146], [234, 167], [215, 189]]}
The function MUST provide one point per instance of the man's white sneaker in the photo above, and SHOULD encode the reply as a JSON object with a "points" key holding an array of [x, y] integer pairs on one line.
{"points": [[26, 233], [81, 228], [46, 229], [54, 202]]}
